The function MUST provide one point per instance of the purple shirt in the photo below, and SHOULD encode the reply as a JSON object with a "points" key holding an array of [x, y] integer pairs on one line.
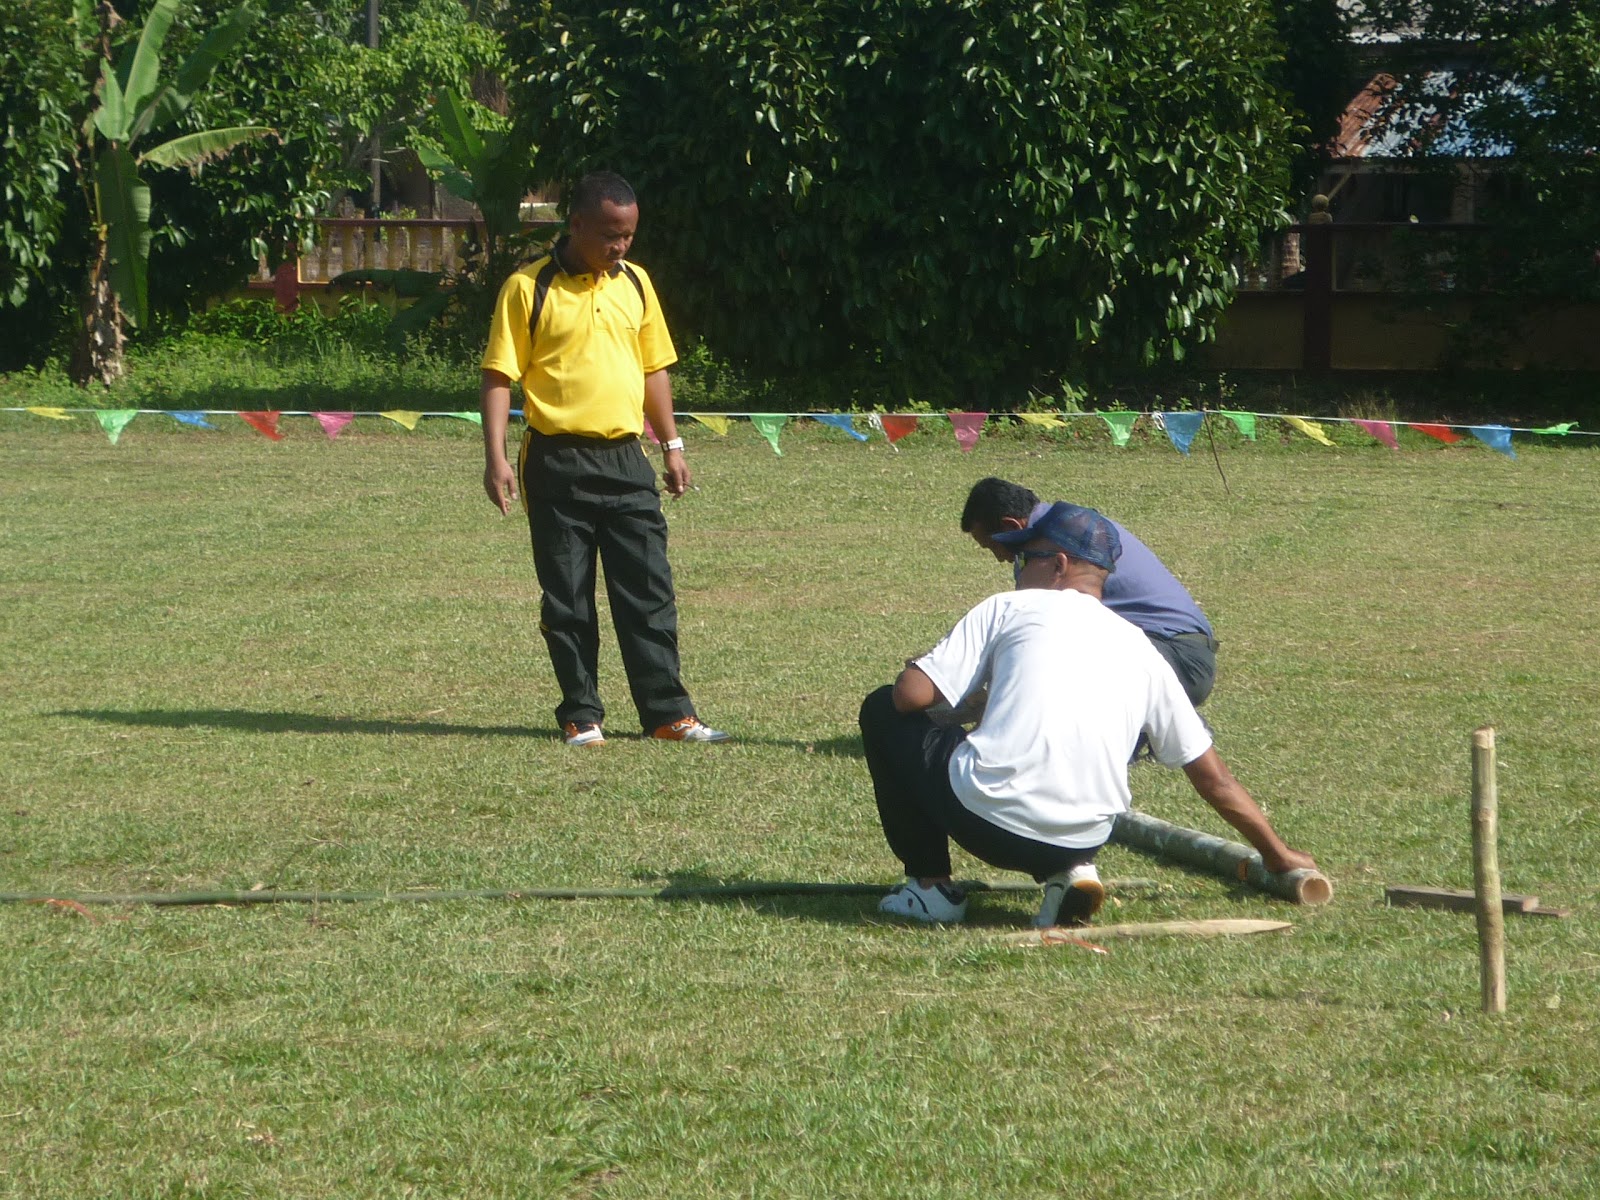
{"points": [[1143, 591]]}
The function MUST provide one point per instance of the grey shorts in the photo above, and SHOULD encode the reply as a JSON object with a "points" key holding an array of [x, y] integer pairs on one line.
{"points": [[1193, 658]]}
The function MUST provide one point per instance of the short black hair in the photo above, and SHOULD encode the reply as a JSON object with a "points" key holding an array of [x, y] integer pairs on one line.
{"points": [[598, 187], [991, 500]]}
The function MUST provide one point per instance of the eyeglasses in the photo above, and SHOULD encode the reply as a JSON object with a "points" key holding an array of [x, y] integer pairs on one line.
{"points": [[1024, 557]]}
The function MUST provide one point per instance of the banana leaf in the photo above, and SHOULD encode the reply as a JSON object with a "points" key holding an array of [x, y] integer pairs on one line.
{"points": [[172, 98], [111, 114], [192, 149], [125, 207], [462, 141], [418, 316], [456, 182], [139, 72]]}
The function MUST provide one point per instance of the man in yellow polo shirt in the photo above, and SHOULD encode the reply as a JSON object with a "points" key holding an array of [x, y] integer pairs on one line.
{"points": [[582, 331]]}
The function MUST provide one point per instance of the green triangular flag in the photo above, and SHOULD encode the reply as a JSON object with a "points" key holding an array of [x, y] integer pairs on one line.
{"points": [[769, 424], [1246, 422], [475, 417], [1558, 430], [1121, 424], [115, 420]]}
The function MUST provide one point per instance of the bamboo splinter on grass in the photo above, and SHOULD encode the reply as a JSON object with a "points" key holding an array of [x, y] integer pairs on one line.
{"points": [[1486, 872]]}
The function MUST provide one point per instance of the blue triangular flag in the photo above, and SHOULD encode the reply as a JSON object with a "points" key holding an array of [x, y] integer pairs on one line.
{"points": [[842, 421], [1181, 427], [192, 417], [1496, 437]]}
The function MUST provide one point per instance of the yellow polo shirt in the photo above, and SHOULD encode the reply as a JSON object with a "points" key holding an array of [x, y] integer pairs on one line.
{"points": [[597, 339]]}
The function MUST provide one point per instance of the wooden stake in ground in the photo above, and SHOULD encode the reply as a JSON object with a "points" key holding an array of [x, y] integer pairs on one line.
{"points": [[1486, 872]]}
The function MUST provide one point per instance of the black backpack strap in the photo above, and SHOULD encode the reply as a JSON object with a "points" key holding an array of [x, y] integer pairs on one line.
{"points": [[541, 289], [547, 275], [638, 286]]}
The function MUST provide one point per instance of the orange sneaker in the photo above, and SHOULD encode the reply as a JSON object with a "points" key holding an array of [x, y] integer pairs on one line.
{"points": [[690, 729], [582, 733]]}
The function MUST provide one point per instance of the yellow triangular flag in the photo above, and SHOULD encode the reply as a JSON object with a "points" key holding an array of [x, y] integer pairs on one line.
{"points": [[51, 411], [1311, 429], [1046, 420], [403, 416], [717, 424]]}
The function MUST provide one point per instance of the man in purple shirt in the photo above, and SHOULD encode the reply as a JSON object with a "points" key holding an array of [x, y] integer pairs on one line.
{"points": [[1141, 590]]}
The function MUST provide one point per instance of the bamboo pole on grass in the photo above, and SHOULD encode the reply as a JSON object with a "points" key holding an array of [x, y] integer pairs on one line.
{"points": [[1231, 860], [1486, 872]]}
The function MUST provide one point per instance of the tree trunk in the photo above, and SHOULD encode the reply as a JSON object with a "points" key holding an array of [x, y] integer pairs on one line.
{"points": [[97, 353]]}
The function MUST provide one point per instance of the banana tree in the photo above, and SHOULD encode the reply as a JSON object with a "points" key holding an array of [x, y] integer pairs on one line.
{"points": [[131, 101], [488, 169]]}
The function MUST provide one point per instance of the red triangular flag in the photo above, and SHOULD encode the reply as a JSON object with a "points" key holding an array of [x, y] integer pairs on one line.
{"points": [[263, 422], [1443, 432], [895, 428], [967, 426]]}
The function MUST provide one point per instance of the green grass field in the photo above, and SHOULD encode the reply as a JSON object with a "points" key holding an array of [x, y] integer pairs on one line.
{"points": [[313, 665]]}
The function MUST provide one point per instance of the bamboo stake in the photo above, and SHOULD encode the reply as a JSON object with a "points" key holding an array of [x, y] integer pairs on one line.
{"points": [[1231, 860], [1486, 872]]}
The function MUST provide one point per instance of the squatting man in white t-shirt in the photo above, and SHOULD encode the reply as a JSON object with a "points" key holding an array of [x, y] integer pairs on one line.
{"points": [[1037, 783]]}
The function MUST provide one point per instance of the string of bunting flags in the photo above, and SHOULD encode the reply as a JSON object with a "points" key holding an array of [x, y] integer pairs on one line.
{"points": [[1181, 428]]}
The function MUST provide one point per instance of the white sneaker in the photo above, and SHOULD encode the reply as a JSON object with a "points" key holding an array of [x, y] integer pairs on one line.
{"points": [[689, 729], [1070, 897], [941, 904], [582, 733]]}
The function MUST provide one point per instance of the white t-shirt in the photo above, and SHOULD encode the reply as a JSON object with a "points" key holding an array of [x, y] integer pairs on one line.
{"points": [[1071, 685]]}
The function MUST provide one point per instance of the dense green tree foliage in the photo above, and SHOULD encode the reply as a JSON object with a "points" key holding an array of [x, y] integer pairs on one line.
{"points": [[304, 70], [973, 194], [42, 79], [308, 72]]}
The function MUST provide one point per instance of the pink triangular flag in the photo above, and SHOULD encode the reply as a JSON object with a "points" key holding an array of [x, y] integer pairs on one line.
{"points": [[263, 422], [333, 423], [649, 432], [1381, 430], [967, 427]]}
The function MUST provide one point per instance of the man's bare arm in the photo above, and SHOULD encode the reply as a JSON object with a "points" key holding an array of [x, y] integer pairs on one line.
{"points": [[658, 411], [1217, 786], [494, 402]]}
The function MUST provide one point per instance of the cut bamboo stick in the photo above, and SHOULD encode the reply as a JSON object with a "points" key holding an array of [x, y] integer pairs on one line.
{"points": [[1231, 860], [1209, 927], [1486, 872]]}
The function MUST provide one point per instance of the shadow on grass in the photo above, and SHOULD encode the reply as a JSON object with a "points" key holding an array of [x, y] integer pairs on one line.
{"points": [[253, 721], [843, 746], [289, 722], [826, 903]]}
